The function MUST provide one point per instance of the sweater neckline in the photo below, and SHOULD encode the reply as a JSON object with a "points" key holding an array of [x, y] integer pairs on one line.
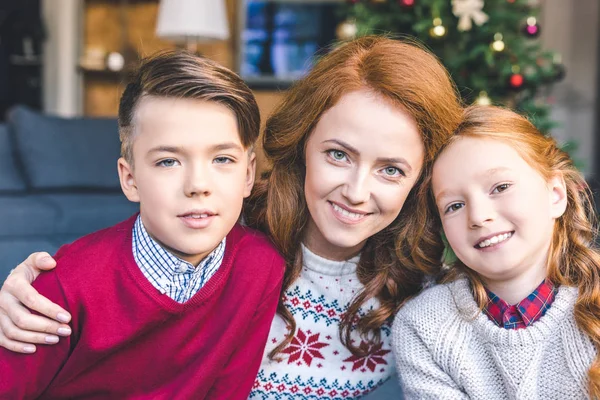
{"points": [[321, 265], [542, 329]]}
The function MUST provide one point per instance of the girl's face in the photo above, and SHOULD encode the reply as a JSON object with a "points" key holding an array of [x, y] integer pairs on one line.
{"points": [[497, 211], [362, 160]]}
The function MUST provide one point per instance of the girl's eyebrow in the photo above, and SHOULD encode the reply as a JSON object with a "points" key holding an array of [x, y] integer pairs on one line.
{"points": [[496, 170], [487, 173], [387, 160], [444, 193]]}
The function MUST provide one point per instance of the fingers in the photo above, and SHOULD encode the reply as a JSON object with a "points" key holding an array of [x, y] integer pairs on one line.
{"points": [[17, 288], [11, 343], [23, 319], [16, 339], [36, 263]]}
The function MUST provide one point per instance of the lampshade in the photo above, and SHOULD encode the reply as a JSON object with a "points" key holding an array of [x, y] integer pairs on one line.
{"points": [[182, 20]]}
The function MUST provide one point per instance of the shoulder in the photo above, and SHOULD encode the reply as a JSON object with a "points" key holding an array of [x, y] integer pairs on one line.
{"points": [[254, 249], [249, 242], [433, 300], [427, 311], [101, 247]]}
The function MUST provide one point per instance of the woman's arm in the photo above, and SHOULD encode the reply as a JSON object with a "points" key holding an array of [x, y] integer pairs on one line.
{"points": [[19, 328]]}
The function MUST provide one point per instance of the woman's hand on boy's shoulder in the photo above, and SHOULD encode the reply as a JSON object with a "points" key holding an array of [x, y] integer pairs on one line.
{"points": [[19, 328]]}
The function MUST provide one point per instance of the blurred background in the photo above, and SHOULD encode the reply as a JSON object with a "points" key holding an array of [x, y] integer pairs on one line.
{"points": [[63, 64]]}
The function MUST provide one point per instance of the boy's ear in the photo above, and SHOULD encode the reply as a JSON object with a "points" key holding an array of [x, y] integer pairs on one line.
{"points": [[558, 196], [250, 173], [127, 180]]}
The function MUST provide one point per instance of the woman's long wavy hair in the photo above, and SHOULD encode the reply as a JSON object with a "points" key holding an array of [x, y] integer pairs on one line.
{"points": [[402, 73], [573, 258]]}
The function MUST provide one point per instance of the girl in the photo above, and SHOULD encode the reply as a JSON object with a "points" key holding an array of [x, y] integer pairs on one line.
{"points": [[345, 147], [518, 315]]}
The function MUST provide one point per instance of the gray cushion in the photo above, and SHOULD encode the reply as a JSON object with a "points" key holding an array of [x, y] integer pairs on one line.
{"points": [[83, 213], [14, 251], [27, 215], [10, 178], [66, 153]]}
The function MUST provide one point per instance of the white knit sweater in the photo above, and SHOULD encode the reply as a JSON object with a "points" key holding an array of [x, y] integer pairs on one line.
{"points": [[446, 348], [316, 365]]}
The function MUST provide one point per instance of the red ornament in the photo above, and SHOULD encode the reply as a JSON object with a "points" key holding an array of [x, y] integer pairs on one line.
{"points": [[516, 81], [406, 3], [510, 1]]}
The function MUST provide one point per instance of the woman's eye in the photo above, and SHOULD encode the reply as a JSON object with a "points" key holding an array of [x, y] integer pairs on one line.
{"points": [[501, 188], [392, 171], [337, 155], [223, 160], [453, 207], [169, 162]]}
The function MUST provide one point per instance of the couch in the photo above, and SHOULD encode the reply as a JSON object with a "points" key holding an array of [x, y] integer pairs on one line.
{"points": [[58, 181]]}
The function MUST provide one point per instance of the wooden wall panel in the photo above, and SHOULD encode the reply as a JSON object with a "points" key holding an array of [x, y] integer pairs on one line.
{"points": [[102, 29]]}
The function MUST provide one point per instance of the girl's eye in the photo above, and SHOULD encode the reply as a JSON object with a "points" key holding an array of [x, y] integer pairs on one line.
{"points": [[393, 171], [337, 155], [453, 207], [223, 160], [501, 188], [169, 162]]}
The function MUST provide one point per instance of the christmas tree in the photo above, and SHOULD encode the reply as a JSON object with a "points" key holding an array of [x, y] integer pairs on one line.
{"points": [[489, 46]]}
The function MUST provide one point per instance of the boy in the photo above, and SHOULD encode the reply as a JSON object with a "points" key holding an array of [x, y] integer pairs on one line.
{"points": [[175, 302]]}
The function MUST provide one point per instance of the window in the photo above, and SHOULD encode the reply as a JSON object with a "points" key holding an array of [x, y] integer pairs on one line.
{"points": [[279, 39]]}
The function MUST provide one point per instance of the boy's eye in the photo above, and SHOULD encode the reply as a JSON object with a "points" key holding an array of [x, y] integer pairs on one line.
{"points": [[501, 188], [453, 207], [222, 160], [337, 155], [169, 162]]}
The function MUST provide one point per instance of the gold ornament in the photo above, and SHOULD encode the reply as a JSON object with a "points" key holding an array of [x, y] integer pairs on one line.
{"points": [[346, 30], [438, 29], [483, 99], [497, 44]]}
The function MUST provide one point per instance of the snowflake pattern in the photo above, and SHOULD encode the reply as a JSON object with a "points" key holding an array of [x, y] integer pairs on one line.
{"points": [[315, 365], [304, 347], [374, 356]]}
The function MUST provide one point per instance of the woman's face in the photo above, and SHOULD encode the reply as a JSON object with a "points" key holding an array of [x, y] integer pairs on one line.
{"points": [[362, 160]]}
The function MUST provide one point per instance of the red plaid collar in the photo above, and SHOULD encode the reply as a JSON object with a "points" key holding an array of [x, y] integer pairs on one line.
{"points": [[524, 313]]}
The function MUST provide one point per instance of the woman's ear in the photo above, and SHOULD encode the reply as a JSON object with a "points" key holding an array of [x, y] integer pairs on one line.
{"points": [[558, 196]]}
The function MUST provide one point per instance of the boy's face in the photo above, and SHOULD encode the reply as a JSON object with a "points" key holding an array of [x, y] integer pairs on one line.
{"points": [[190, 173]]}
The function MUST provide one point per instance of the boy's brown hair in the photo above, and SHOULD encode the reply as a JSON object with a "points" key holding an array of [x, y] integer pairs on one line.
{"points": [[179, 74]]}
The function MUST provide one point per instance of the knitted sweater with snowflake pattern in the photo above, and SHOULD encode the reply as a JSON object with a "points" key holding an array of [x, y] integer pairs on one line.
{"points": [[446, 348], [316, 365]]}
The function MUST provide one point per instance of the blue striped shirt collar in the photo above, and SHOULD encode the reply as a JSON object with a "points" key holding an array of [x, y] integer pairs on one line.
{"points": [[171, 275]]}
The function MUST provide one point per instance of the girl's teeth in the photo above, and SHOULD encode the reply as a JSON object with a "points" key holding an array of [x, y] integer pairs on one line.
{"points": [[494, 240]]}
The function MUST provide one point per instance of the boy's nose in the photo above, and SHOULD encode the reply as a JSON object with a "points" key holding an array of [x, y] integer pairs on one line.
{"points": [[197, 183]]}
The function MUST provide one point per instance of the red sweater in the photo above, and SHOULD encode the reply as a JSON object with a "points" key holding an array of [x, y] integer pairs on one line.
{"points": [[131, 342]]}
